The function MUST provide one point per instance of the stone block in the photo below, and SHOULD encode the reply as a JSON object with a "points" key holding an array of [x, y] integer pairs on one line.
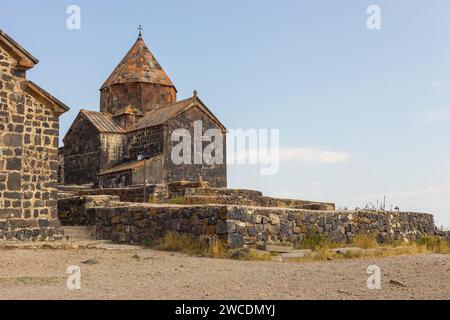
{"points": [[14, 181], [296, 254], [14, 164], [13, 140], [279, 248], [235, 241]]}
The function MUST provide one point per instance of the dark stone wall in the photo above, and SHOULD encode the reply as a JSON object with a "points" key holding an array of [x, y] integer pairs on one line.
{"points": [[82, 154], [73, 211], [61, 166], [116, 180], [154, 173], [242, 226], [143, 96], [29, 132], [133, 194], [250, 225], [215, 174], [112, 150], [147, 142]]}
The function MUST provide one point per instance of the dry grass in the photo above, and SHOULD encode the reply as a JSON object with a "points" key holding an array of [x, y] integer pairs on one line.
{"points": [[435, 244], [252, 255], [216, 248], [208, 247], [315, 242], [365, 241], [321, 248]]}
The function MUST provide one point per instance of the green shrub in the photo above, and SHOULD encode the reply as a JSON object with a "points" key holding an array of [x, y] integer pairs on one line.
{"points": [[177, 200]]}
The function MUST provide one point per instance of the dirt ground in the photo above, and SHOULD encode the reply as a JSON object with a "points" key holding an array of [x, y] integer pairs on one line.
{"points": [[136, 273]]}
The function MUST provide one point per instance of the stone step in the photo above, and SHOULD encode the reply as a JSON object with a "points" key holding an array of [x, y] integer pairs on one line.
{"points": [[79, 233], [296, 254], [278, 248], [76, 228]]}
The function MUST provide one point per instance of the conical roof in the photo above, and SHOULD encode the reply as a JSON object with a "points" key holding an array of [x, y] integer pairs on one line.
{"points": [[138, 65]]}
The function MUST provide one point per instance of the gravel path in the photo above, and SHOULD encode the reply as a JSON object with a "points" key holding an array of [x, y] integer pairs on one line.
{"points": [[121, 274]]}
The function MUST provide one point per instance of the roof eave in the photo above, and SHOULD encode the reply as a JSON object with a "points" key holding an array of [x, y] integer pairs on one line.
{"points": [[107, 85], [27, 60], [58, 106]]}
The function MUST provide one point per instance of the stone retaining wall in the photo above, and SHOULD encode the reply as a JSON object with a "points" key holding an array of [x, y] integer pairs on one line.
{"points": [[133, 194], [72, 211], [256, 225], [249, 226], [30, 229], [192, 194], [137, 224]]}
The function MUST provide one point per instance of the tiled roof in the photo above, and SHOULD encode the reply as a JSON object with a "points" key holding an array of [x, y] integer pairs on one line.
{"points": [[128, 110], [161, 115], [135, 165], [103, 121], [138, 65]]}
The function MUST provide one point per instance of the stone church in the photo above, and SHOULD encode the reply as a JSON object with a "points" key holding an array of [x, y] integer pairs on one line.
{"points": [[129, 141], [29, 134]]}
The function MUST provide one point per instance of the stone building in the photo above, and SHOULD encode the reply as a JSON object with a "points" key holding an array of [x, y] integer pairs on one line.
{"points": [[130, 140], [29, 134]]}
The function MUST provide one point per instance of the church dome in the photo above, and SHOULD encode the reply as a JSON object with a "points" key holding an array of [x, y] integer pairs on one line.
{"points": [[138, 65], [139, 81]]}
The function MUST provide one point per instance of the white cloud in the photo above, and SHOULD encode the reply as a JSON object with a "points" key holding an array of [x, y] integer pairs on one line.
{"points": [[312, 155], [436, 116], [429, 190], [290, 154], [435, 84]]}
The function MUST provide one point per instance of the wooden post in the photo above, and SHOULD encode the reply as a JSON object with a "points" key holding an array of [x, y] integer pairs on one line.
{"points": [[145, 182]]}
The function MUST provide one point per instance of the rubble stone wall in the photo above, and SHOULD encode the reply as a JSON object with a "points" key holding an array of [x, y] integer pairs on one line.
{"points": [[73, 211], [243, 226], [251, 225], [133, 194], [250, 198]]}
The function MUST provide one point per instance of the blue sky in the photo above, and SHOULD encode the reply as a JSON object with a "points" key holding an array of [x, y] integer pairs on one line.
{"points": [[310, 68]]}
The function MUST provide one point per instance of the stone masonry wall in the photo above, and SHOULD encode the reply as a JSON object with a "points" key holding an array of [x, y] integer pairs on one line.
{"points": [[243, 226], [139, 224], [215, 174], [249, 198], [29, 131], [250, 225], [132, 194], [82, 154], [144, 96], [73, 211], [147, 142]]}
